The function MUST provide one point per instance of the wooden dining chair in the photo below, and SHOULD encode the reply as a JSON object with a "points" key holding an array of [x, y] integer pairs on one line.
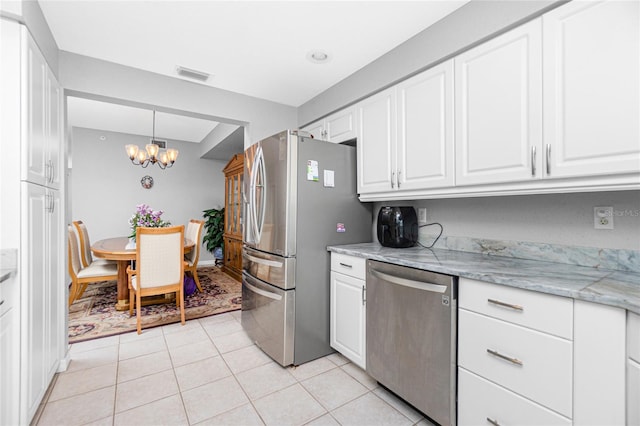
{"points": [[82, 277], [159, 267], [85, 246], [193, 233]]}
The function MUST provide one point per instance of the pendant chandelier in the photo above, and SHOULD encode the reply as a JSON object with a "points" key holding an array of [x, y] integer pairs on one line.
{"points": [[152, 153]]}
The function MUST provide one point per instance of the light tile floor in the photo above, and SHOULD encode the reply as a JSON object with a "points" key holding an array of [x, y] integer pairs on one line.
{"points": [[209, 373]]}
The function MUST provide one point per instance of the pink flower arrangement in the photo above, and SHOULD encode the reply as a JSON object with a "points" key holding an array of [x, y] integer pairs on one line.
{"points": [[147, 217]]}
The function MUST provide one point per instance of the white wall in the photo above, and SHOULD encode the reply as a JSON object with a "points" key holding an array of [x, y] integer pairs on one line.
{"points": [[105, 186], [565, 219]]}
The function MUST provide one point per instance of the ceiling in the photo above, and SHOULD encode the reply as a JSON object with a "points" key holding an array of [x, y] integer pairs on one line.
{"points": [[256, 48]]}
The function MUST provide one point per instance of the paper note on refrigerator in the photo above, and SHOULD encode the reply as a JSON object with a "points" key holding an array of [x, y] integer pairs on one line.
{"points": [[312, 170]]}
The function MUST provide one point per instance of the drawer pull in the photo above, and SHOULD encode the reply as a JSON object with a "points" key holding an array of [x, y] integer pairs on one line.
{"points": [[493, 422], [506, 305], [346, 265], [506, 358]]}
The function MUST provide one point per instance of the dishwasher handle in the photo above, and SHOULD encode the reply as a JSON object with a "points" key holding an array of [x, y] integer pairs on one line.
{"points": [[419, 285]]}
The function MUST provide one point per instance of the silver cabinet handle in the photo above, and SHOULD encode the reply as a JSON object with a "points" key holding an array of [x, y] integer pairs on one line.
{"points": [[2, 301], [506, 305], [533, 161], [52, 170], [393, 177], [493, 422], [345, 265], [364, 295], [398, 178], [548, 159], [506, 358]]}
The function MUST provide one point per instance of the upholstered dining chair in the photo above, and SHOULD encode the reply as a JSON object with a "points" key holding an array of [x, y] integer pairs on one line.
{"points": [[159, 267], [85, 246], [193, 233], [82, 277]]}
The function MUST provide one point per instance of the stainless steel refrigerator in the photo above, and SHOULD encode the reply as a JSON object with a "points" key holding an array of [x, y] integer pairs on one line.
{"points": [[299, 197]]}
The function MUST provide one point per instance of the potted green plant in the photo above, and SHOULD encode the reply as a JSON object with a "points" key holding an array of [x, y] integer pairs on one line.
{"points": [[214, 229]]}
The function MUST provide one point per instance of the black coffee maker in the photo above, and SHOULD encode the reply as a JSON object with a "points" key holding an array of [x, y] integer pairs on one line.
{"points": [[397, 226]]}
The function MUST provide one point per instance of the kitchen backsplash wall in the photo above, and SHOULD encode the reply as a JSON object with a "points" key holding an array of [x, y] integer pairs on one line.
{"points": [[557, 228]]}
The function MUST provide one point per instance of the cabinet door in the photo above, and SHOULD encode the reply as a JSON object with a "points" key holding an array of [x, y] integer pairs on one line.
{"points": [[9, 341], [341, 126], [592, 88], [633, 392], [376, 143], [34, 298], [347, 332], [315, 129], [34, 92], [498, 108], [54, 285], [425, 129], [54, 132]]}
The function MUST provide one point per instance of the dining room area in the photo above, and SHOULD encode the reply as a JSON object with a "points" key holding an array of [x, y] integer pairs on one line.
{"points": [[112, 191]]}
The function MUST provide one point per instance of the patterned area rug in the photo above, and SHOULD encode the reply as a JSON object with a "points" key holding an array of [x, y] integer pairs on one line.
{"points": [[94, 315]]}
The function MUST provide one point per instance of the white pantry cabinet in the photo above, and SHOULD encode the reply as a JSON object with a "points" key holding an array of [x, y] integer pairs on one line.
{"points": [[42, 115], [592, 88], [499, 108], [337, 127], [405, 137], [32, 100], [347, 307]]}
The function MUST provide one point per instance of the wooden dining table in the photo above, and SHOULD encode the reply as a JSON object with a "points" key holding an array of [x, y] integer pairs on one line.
{"points": [[116, 249]]}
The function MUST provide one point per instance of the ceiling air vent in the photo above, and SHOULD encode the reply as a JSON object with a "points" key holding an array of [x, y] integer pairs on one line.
{"points": [[161, 143], [193, 74]]}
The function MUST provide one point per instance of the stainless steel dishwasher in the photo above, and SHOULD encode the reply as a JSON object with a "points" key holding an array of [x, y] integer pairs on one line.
{"points": [[412, 336]]}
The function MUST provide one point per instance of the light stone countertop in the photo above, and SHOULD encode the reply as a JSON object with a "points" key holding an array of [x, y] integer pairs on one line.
{"points": [[608, 287]]}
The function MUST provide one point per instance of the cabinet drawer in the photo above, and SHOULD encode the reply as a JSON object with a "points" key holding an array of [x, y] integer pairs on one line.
{"points": [[633, 336], [542, 312], [480, 401], [349, 265], [541, 366]]}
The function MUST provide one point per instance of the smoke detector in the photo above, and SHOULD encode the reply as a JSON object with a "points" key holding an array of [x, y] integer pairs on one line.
{"points": [[192, 74]]}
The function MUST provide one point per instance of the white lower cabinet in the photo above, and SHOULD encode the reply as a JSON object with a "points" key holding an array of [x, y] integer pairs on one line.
{"points": [[485, 402], [633, 369], [519, 363], [348, 299], [9, 384]]}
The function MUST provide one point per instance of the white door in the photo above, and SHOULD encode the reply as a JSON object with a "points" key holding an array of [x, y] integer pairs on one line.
{"points": [[376, 143], [34, 85], [425, 129], [55, 285], [592, 88], [54, 131], [341, 126], [34, 298], [498, 108], [347, 334]]}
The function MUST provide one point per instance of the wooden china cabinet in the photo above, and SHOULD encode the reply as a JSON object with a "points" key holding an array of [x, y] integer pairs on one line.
{"points": [[233, 216]]}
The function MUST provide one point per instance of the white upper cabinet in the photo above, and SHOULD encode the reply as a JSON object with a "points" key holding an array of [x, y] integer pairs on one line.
{"points": [[377, 142], [592, 88], [499, 108], [338, 127], [425, 129], [42, 111], [405, 135]]}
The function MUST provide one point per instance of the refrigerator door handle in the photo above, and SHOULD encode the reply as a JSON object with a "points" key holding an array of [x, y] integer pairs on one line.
{"points": [[261, 292], [264, 261], [253, 213]]}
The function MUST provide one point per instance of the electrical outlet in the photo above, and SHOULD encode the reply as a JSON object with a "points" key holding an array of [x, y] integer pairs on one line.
{"points": [[422, 216], [603, 217]]}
